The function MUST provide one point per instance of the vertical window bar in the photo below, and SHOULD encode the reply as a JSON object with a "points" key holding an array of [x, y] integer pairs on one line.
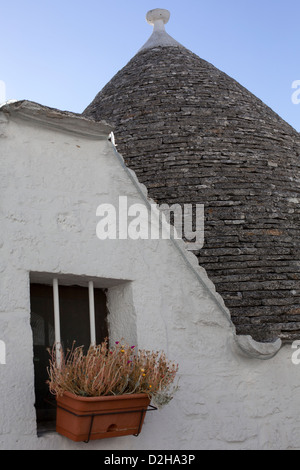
{"points": [[92, 313], [56, 319]]}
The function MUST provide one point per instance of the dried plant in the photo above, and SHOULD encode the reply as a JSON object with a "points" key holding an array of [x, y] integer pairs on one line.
{"points": [[123, 369]]}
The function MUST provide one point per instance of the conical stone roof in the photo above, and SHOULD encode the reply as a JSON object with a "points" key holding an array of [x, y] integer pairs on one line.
{"points": [[194, 135]]}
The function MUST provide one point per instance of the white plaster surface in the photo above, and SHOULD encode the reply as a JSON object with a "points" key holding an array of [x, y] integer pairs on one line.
{"points": [[51, 183]]}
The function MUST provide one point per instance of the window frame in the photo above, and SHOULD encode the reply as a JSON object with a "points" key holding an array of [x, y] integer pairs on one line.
{"points": [[54, 282], [92, 318]]}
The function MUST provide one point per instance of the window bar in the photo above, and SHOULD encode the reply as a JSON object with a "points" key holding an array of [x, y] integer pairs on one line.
{"points": [[92, 313], [56, 320]]}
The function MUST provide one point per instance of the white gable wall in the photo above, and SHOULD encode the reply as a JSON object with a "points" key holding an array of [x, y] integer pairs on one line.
{"points": [[52, 182]]}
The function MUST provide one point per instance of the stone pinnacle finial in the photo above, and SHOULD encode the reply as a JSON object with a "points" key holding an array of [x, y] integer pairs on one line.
{"points": [[157, 17], [159, 38]]}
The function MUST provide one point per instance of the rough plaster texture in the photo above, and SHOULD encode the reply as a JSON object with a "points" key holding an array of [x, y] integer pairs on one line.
{"points": [[51, 184]]}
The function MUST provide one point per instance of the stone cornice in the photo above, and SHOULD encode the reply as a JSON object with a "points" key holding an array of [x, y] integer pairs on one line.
{"points": [[63, 121]]}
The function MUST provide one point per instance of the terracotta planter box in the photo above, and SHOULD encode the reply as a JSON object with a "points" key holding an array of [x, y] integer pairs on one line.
{"points": [[85, 418]]}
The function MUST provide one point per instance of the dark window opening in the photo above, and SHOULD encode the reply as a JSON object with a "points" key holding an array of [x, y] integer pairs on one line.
{"points": [[74, 326]]}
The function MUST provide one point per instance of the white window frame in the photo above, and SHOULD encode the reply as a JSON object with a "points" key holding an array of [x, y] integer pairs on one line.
{"points": [[55, 286]]}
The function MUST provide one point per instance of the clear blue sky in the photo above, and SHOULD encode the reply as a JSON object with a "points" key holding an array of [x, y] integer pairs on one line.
{"points": [[60, 53]]}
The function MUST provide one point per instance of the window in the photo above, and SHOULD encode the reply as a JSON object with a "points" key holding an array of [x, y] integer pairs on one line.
{"points": [[62, 314]]}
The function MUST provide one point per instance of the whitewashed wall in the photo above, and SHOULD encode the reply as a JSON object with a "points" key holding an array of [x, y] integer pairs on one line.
{"points": [[51, 183]]}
